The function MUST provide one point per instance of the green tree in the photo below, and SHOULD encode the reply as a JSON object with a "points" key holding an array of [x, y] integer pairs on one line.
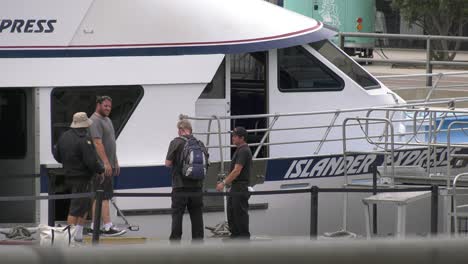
{"points": [[437, 17]]}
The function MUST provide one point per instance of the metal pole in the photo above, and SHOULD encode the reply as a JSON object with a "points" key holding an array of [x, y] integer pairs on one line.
{"points": [[221, 174], [345, 174], [208, 134], [97, 216], [374, 206], [51, 203], [267, 133], [385, 134], [429, 94], [329, 128], [314, 212], [429, 141], [428, 62], [434, 208]]}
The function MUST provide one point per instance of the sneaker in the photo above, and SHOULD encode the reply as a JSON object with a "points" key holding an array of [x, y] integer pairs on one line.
{"points": [[113, 231], [87, 230]]}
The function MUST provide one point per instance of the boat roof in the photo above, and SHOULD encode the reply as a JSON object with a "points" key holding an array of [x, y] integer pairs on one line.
{"points": [[93, 28]]}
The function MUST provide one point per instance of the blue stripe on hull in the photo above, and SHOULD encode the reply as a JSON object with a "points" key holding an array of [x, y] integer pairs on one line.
{"points": [[302, 168], [321, 34], [130, 178]]}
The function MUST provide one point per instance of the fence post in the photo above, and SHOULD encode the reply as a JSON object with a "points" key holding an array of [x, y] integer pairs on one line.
{"points": [[314, 212], [50, 202], [428, 62], [374, 192], [97, 216], [434, 208]]}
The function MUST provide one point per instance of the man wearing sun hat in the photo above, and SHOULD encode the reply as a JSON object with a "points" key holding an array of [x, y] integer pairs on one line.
{"points": [[76, 151]]}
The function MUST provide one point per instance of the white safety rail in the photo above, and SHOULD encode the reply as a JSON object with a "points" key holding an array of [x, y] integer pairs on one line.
{"points": [[416, 125], [456, 206], [448, 85], [424, 126]]}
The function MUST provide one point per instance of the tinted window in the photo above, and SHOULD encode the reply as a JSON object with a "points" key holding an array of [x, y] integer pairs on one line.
{"points": [[345, 64], [300, 71], [68, 100], [13, 129], [216, 88]]}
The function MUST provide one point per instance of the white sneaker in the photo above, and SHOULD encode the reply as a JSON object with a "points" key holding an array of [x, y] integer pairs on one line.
{"points": [[113, 232]]}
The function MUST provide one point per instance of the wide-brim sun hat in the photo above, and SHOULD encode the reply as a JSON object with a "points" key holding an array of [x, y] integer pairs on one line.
{"points": [[81, 120]]}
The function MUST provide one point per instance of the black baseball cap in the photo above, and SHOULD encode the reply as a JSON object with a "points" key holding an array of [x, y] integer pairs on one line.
{"points": [[240, 132]]}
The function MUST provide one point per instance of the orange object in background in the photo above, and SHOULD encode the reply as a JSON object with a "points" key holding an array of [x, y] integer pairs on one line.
{"points": [[359, 24]]}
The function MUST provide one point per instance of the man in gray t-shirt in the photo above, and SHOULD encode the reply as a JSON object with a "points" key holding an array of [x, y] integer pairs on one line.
{"points": [[103, 129], [103, 134]]}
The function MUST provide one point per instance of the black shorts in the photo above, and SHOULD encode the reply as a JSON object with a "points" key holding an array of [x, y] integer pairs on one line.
{"points": [[79, 206], [107, 186]]}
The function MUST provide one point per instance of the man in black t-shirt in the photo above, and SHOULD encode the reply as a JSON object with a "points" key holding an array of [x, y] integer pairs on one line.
{"points": [[238, 178], [181, 184], [77, 153]]}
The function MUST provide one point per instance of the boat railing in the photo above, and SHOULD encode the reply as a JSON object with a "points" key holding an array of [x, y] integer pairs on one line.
{"points": [[456, 205], [436, 85], [428, 62], [451, 155], [415, 125]]}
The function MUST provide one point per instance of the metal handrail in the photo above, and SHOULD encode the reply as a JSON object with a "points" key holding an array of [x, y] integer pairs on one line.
{"points": [[411, 113], [455, 205], [350, 110], [432, 87], [449, 145], [428, 38], [402, 36], [345, 171]]}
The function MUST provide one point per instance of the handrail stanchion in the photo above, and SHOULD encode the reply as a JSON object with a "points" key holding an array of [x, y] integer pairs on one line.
{"points": [[97, 216], [267, 133], [314, 212], [434, 208], [327, 132]]}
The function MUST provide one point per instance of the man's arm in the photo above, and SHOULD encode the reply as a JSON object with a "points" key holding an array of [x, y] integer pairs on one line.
{"points": [[171, 154], [102, 155], [234, 173], [231, 177]]}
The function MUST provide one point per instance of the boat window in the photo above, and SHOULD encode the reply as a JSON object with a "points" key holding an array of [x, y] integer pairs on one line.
{"points": [[65, 101], [216, 88], [345, 64], [13, 120], [300, 71]]}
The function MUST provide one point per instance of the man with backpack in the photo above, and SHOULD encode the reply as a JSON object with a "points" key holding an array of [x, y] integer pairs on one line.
{"points": [[188, 158], [76, 151]]}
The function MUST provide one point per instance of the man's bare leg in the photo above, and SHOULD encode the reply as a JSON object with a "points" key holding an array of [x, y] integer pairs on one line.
{"points": [[105, 212]]}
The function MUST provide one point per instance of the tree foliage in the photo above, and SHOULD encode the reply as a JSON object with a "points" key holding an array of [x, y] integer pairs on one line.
{"points": [[437, 17]]}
